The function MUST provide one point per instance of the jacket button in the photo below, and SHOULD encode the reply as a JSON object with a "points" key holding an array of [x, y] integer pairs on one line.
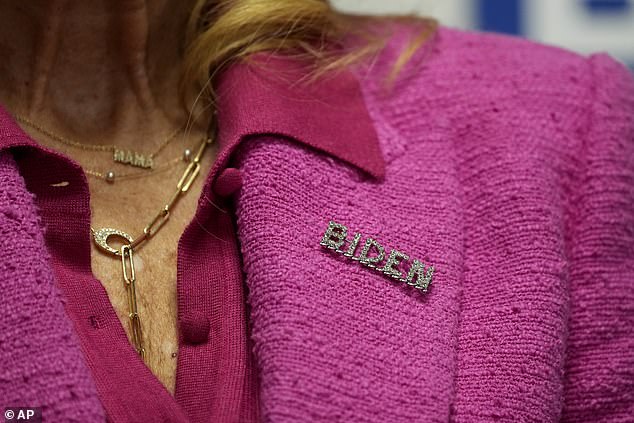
{"points": [[195, 328], [228, 182]]}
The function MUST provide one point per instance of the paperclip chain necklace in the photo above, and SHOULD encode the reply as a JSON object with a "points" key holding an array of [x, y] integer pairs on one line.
{"points": [[126, 252]]}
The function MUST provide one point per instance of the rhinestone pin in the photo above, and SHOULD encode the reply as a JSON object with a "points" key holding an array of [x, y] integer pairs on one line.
{"points": [[373, 253]]}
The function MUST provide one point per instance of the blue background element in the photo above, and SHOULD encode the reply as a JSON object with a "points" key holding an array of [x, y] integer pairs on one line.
{"points": [[506, 16], [617, 6], [500, 16]]}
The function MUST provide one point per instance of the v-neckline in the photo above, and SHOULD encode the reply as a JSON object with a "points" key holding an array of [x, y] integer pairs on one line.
{"points": [[126, 386]]}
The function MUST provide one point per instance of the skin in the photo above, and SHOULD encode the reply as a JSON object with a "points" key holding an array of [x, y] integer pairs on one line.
{"points": [[105, 72]]}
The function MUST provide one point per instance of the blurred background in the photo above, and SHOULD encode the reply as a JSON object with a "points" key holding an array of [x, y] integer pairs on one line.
{"points": [[585, 26]]}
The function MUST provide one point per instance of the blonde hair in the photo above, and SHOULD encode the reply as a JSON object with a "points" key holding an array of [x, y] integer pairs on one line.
{"points": [[220, 32]]}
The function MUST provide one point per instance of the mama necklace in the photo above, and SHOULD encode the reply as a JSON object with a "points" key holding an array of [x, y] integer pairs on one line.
{"points": [[145, 161]]}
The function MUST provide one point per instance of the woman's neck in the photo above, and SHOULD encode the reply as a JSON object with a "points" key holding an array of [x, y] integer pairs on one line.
{"points": [[94, 69]]}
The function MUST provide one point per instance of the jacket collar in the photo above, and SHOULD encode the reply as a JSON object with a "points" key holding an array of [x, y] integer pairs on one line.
{"points": [[266, 97], [11, 135]]}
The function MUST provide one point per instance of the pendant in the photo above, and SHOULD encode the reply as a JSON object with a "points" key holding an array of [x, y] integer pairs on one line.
{"points": [[101, 239], [133, 158]]}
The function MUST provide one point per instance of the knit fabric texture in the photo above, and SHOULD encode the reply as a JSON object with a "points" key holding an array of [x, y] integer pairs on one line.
{"points": [[509, 168], [41, 363]]}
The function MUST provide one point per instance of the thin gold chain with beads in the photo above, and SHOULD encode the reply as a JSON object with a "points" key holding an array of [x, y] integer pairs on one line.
{"points": [[109, 176], [93, 147]]}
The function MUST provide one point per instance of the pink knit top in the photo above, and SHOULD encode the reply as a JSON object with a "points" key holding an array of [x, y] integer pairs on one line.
{"points": [[506, 165]]}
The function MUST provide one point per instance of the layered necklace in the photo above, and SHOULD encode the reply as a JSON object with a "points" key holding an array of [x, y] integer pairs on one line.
{"points": [[133, 158], [125, 253]]}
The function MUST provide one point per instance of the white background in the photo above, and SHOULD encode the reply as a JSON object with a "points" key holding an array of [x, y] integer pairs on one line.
{"points": [[566, 23]]}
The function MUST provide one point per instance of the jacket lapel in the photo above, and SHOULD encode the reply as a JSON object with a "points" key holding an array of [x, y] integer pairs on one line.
{"points": [[41, 356], [335, 338]]}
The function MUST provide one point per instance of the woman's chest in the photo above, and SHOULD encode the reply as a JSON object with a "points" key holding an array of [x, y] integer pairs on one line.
{"points": [[130, 208]]}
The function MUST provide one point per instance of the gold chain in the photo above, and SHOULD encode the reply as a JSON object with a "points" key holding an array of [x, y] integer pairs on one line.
{"points": [[120, 156], [94, 147], [126, 252], [133, 175]]}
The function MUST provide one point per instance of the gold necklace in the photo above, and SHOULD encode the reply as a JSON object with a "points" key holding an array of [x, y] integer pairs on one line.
{"points": [[110, 176], [119, 155], [126, 251]]}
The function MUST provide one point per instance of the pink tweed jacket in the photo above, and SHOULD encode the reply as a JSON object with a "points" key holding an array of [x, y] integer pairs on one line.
{"points": [[474, 264]]}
